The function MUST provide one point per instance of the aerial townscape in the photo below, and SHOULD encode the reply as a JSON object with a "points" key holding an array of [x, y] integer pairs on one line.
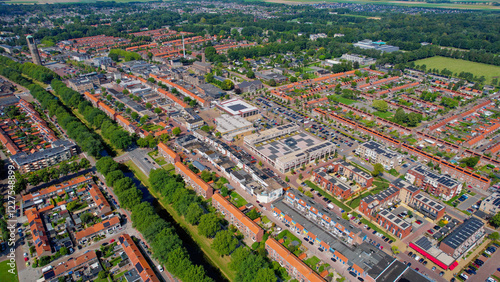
{"points": [[250, 141]]}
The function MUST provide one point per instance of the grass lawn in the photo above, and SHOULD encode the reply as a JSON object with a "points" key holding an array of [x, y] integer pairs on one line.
{"points": [[328, 196], [169, 167], [343, 100], [204, 244], [237, 200], [138, 172], [385, 115], [457, 66], [289, 238], [265, 220], [354, 202], [115, 261], [312, 262], [5, 276]]}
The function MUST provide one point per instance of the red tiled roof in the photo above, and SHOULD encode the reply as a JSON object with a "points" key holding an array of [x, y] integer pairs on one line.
{"points": [[137, 259]]}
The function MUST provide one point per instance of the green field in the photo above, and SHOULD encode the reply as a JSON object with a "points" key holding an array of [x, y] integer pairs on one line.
{"points": [[5, 276], [457, 66], [481, 5]]}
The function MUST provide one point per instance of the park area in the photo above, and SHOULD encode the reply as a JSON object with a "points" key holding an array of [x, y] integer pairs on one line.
{"points": [[458, 66], [6, 276]]}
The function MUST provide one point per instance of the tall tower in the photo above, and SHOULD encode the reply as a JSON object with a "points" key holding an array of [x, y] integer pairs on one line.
{"points": [[183, 47], [34, 50]]}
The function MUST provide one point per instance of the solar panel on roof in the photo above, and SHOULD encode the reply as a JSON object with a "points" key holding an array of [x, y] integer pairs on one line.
{"points": [[39, 244], [121, 239], [106, 224], [49, 274], [139, 268]]}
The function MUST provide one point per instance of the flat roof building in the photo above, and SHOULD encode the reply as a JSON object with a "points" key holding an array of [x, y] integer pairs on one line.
{"points": [[232, 125], [289, 148], [378, 153], [463, 238], [439, 185], [238, 107], [491, 204]]}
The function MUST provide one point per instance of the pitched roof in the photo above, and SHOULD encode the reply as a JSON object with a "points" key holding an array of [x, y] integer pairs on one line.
{"points": [[193, 176], [137, 259], [295, 262], [97, 228], [40, 239], [98, 196], [72, 264], [167, 150], [57, 187], [245, 220]]}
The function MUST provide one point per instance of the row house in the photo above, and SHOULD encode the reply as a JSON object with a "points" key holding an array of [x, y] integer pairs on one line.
{"points": [[102, 228], [126, 124], [39, 197], [60, 150], [296, 204], [237, 218], [66, 268], [393, 224], [352, 173], [39, 233], [195, 181], [101, 206]]}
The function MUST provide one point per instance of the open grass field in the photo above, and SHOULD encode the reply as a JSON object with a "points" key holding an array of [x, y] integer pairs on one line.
{"points": [[5, 276], [478, 5], [457, 66]]}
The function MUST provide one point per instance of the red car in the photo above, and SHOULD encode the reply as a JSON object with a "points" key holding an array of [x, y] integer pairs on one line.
{"points": [[430, 231], [112, 240], [418, 222]]}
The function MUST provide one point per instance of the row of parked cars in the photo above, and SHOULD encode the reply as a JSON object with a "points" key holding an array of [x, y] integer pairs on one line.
{"points": [[478, 263], [422, 261]]}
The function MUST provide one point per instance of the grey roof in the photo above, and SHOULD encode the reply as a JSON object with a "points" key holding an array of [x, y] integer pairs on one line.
{"points": [[58, 147], [463, 232], [249, 83], [442, 179], [399, 272]]}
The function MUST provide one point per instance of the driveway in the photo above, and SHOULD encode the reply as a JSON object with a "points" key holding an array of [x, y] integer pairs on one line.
{"points": [[490, 267]]}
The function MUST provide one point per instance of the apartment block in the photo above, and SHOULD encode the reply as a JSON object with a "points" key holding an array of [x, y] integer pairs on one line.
{"points": [[195, 181], [491, 204], [439, 185], [463, 238], [377, 153], [330, 183], [60, 150], [427, 206], [293, 265], [169, 155], [237, 218], [87, 262]]}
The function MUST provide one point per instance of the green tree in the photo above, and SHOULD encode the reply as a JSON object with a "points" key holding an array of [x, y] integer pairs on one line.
{"points": [[157, 111], [63, 251], [224, 242], [380, 105], [176, 131], [494, 236], [194, 213], [377, 169], [272, 82], [87, 217], [265, 275], [470, 161], [209, 225], [134, 115], [250, 74], [495, 220]]}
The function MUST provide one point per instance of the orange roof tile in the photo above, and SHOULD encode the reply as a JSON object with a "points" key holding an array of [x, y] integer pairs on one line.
{"points": [[295, 262], [137, 259], [245, 220]]}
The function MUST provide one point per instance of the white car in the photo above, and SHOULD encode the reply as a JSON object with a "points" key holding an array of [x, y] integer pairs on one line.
{"points": [[25, 255]]}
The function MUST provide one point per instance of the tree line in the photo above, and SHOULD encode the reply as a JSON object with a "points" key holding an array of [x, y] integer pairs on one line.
{"points": [[249, 266], [161, 236], [118, 137], [87, 140]]}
